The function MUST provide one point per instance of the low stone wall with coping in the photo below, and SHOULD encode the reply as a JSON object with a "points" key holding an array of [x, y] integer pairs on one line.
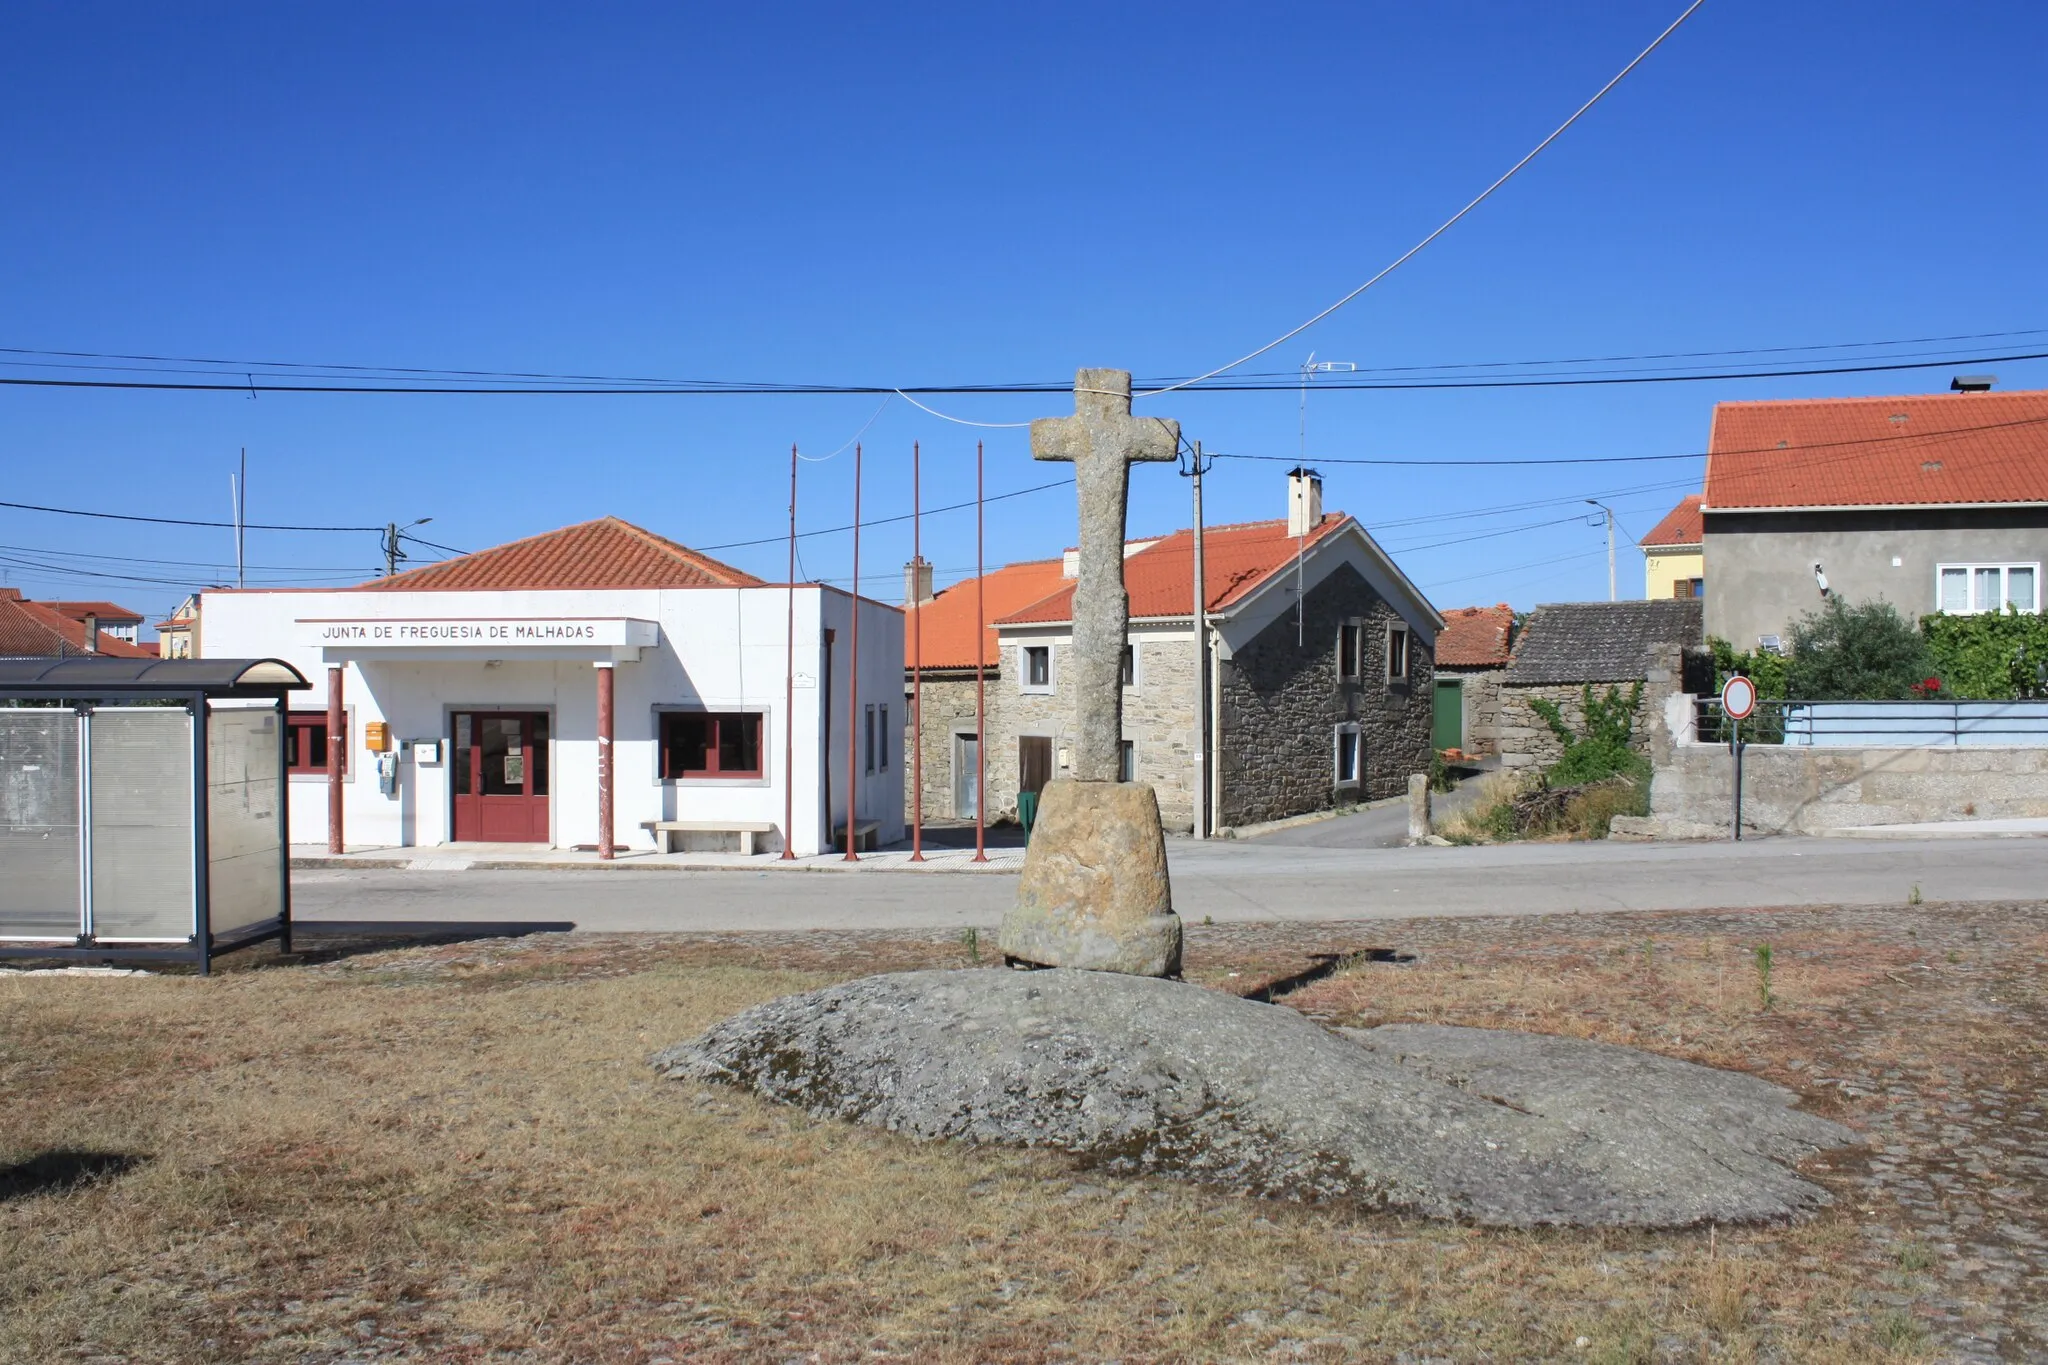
{"points": [[1798, 790]]}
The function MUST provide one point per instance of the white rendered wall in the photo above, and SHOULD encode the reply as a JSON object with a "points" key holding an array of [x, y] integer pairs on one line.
{"points": [[721, 649]]}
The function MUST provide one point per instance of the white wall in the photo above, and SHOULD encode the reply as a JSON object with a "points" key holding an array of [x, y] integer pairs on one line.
{"points": [[720, 649]]}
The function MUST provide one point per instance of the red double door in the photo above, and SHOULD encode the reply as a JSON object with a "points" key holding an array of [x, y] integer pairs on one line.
{"points": [[500, 774]]}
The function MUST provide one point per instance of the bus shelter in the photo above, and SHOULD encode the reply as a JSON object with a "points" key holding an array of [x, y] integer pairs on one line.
{"points": [[142, 808]]}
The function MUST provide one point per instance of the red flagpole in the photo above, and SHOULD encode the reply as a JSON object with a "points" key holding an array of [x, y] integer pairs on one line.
{"points": [[789, 690], [853, 675], [916, 661], [980, 681]]}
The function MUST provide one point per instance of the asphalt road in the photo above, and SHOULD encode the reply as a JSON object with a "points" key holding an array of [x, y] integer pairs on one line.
{"points": [[1226, 880]]}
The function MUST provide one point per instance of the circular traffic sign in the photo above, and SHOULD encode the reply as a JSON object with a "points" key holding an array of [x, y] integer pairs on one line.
{"points": [[1738, 697]]}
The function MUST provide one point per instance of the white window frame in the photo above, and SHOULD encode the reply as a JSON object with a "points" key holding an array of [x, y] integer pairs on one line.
{"points": [[1052, 669], [1353, 632], [1347, 730], [1127, 760], [1137, 667], [1407, 653], [1970, 571]]}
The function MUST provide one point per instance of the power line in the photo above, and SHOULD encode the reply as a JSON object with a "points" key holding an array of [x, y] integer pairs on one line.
{"points": [[176, 521], [871, 390], [883, 521], [1644, 459], [1452, 221]]}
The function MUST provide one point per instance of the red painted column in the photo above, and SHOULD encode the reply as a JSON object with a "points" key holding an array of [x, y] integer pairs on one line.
{"points": [[337, 755], [604, 760]]}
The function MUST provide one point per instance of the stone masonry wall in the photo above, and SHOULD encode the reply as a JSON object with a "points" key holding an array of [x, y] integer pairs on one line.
{"points": [[1158, 720], [1482, 707], [1527, 741], [1281, 702], [1802, 790], [948, 709]]}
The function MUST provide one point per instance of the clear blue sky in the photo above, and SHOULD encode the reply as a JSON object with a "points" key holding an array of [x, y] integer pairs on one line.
{"points": [[956, 194]]}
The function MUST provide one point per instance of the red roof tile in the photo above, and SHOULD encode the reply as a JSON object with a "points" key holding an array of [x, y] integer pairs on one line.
{"points": [[1914, 450], [1475, 637], [1680, 527], [606, 553], [947, 621], [109, 613], [37, 630], [1160, 578]]}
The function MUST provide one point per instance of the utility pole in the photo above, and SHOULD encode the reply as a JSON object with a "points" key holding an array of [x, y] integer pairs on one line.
{"points": [[393, 551], [1201, 622], [1610, 544]]}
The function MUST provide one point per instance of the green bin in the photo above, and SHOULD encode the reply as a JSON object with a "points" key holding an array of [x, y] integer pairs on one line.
{"points": [[1027, 812]]}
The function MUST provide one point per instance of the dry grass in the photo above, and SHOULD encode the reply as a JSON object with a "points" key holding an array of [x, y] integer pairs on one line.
{"points": [[461, 1154]]}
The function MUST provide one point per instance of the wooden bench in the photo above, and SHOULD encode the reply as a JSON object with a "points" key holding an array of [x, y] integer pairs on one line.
{"points": [[665, 831], [863, 836]]}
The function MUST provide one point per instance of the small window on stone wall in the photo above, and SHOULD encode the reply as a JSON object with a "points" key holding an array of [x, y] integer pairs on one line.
{"points": [[1397, 653], [1347, 755], [1350, 651]]}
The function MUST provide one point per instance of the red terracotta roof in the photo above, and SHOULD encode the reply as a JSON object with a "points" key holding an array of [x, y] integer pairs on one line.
{"points": [[1914, 450], [37, 630], [1475, 637], [1160, 577], [109, 613], [606, 553], [948, 619], [1680, 527]]}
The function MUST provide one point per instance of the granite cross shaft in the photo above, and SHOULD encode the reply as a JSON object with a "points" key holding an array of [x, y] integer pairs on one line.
{"points": [[1101, 440]]}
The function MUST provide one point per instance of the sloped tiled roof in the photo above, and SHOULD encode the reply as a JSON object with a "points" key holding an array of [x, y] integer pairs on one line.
{"points": [[1600, 642], [1475, 637], [36, 630], [947, 620], [1916, 450], [1679, 529], [606, 553], [109, 613], [1160, 578]]}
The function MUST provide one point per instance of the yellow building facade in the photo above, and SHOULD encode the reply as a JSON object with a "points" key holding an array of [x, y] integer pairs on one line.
{"points": [[1674, 555]]}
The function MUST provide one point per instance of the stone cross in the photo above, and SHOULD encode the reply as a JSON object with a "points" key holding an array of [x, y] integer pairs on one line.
{"points": [[1101, 440]]}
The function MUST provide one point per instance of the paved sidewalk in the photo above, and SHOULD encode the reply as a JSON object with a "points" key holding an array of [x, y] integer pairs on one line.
{"points": [[1224, 880], [530, 858], [1947, 829]]}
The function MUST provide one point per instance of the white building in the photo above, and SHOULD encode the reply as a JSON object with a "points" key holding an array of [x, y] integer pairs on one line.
{"points": [[471, 693]]}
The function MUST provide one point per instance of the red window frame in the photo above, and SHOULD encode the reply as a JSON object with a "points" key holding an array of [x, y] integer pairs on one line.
{"points": [[308, 735], [676, 744]]}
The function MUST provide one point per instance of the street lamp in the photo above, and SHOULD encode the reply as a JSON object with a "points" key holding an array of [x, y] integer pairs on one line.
{"points": [[1595, 502], [392, 552]]}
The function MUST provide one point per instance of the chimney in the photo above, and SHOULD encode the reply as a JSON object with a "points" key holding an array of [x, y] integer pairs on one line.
{"points": [[1972, 383], [917, 582], [92, 633], [1304, 501]]}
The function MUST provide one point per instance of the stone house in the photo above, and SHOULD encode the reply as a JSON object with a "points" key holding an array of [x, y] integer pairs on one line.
{"points": [[1564, 646], [939, 634], [1932, 502], [1318, 659], [1471, 659]]}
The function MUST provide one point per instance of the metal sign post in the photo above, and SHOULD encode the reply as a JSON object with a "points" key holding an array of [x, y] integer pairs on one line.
{"points": [[1738, 703]]}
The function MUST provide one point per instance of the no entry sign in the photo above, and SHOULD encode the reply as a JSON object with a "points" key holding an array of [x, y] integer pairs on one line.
{"points": [[1738, 697]]}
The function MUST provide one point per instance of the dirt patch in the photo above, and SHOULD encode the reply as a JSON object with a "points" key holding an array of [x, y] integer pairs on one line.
{"points": [[458, 1152]]}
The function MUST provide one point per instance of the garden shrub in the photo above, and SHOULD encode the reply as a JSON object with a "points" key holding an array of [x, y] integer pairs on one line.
{"points": [[1602, 750], [1866, 652], [1993, 656]]}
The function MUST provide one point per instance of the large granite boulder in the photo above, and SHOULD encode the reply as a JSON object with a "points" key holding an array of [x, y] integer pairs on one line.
{"points": [[1094, 891], [1144, 1075]]}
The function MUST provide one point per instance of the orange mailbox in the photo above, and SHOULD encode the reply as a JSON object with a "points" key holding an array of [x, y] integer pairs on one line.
{"points": [[376, 736]]}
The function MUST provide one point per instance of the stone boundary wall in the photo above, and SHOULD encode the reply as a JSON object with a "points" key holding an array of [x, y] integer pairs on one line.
{"points": [[1801, 790], [1527, 742]]}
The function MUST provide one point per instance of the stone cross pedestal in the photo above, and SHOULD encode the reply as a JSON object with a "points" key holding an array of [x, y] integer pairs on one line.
{"points": [[1094, 891]]}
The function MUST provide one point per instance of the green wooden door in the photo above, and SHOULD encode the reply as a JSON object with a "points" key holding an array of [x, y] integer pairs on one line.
{"points": [[1450, 714]]}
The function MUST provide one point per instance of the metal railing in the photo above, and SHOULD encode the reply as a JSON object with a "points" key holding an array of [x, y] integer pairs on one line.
{"points": [[1879, 724]]}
